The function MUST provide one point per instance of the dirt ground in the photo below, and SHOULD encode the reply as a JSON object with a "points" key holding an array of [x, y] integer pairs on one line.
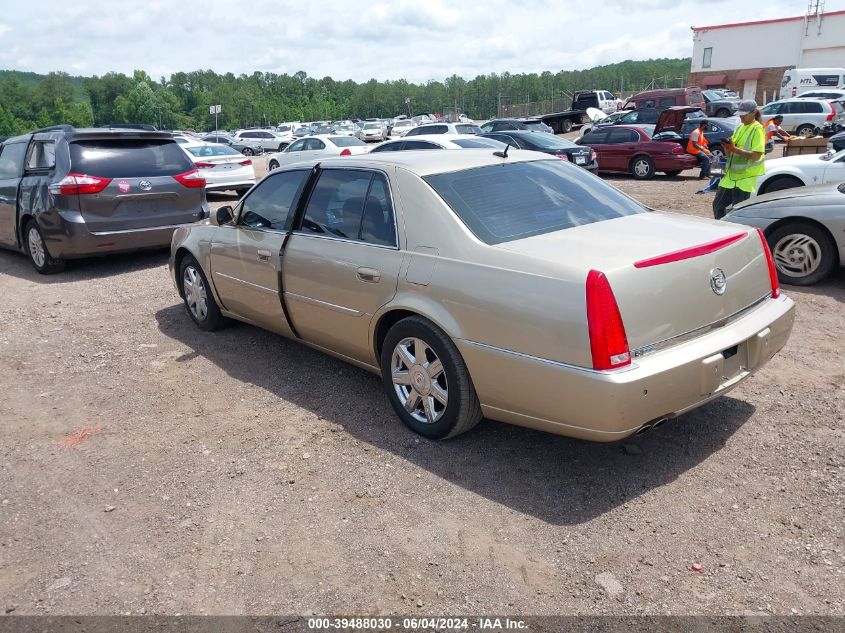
{"points": [[149, 467]]}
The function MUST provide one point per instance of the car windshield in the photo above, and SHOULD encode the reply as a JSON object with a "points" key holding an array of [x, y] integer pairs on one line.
{"points": [[212, 150], [469, 143], [372, 126], [346, 141], [510, 201], [712, 95], [468, 129], [548, 141]]}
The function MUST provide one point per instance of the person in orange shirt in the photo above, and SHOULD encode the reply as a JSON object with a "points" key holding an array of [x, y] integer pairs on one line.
{"points": [[697, 146], [773, 128]]}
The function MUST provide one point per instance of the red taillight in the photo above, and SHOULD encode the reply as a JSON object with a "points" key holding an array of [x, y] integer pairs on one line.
{"points": [[608, 341], [79, 184], [773, 272], [204, 165], [346, 152], [245, 162], [191, 179], [832, 114], [562, 156], [678, 149], [689, 253]]}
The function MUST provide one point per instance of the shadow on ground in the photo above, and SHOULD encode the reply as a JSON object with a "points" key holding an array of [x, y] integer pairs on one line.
{"points": [[556, 479], [18, 265]]}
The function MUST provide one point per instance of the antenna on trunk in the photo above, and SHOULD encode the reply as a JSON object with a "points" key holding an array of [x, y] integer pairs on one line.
{"points": [[503, 154]]}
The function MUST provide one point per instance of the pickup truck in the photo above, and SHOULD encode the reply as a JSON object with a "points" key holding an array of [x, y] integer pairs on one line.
{"points": [[68, 193], [562, 122]]}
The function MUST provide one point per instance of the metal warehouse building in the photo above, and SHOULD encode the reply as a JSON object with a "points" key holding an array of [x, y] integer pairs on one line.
{"points": [[750, 57]]}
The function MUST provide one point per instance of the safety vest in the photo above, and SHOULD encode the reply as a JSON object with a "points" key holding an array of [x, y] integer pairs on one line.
{"points": [[771, 128], [739, 167], [696, 137]]}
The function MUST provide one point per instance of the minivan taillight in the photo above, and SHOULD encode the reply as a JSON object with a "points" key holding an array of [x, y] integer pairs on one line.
{"points": [[191, 179], [773, 272], [79, 184], [608, 341]]}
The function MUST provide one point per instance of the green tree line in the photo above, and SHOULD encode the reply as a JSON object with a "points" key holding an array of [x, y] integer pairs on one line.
{"points": [[29, 101]]}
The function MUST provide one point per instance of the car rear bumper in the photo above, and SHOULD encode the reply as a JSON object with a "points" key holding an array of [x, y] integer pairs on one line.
{"points": [[676, 162], [608, 406], [67, 236]]}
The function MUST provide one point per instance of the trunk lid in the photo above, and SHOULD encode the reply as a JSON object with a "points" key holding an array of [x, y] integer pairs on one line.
{"points": [[660, 300], [672, 119], [142, 191]]}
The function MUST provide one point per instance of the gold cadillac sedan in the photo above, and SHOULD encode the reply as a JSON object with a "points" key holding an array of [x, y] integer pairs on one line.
{"points": [[507, 285]]}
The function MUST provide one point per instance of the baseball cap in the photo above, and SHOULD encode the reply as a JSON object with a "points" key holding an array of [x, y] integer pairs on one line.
{"points": [[746, 107]]}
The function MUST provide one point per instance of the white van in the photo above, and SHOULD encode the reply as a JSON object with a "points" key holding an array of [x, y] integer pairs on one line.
{"points": [[799, 80]]}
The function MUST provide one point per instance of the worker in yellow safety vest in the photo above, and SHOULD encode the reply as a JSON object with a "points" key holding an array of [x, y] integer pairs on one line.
{"points": [[697, 146], [745, 160]]}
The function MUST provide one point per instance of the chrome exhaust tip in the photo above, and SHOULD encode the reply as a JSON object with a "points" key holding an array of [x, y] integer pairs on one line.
{"points": [[659, 423], [645, 428]]}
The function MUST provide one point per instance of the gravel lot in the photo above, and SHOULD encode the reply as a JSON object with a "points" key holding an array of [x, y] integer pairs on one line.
{"points": [[148, 467]]}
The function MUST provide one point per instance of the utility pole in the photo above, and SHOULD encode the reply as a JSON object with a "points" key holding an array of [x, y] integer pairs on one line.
{"points": [[499, 106]]}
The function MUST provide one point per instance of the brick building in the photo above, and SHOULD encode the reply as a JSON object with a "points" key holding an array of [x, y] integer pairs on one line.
{"points": [[751, 57]]}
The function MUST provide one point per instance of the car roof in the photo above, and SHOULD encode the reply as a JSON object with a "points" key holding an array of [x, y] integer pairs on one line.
{"points": [[428, 162]]}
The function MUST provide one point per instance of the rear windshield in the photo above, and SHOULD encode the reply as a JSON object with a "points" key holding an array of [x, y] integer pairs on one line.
{"points": [[469, 143], [465, 128], [128, 158], [212, 150], [346, 141], [535, 125], [549, 141], [511, 201]]}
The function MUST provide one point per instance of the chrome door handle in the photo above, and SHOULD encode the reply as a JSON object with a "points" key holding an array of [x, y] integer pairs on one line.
{"points": [[263, 256], [370, 275]]}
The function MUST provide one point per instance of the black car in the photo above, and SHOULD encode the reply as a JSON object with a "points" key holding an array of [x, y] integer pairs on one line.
{"points": [[534, 125], [67, 193], [548, 144], [838, 141]]}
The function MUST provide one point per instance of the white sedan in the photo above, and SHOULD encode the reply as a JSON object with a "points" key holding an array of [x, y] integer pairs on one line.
{"points": [[438, 141], [802, 170], [317, 147], [372, 131], [402, 127], [222, 167]]}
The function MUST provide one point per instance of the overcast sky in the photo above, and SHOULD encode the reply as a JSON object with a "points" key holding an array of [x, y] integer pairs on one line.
{"points": [[416, 40]]}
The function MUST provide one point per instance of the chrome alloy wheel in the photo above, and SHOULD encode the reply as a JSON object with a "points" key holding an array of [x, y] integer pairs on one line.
{"points": [[196, 297], [36, 247], [797, 255], [642, 168], [419, 380]]}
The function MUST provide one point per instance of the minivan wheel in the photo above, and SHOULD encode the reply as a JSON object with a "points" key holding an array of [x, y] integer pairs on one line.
{"points": [[804, 254], [246, 151], [196, 293], [642, 168], [427, 381], [36, 250]]}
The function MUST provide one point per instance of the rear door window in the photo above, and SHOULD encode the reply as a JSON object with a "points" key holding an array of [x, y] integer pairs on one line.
{"points": [[128, 158], [598, 137], [511, 201], [420, 145], [11, 160], [665, 102], [621, 135]]}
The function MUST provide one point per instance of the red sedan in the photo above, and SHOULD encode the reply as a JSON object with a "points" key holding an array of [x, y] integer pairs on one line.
{"points": [[630, 149]]}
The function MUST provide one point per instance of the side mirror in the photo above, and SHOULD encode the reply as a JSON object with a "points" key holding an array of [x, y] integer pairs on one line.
{"points": [[225, 215]]}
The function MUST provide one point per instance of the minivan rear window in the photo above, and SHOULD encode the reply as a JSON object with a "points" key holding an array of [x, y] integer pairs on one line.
{"points": [[511, 201], [128, 158]]}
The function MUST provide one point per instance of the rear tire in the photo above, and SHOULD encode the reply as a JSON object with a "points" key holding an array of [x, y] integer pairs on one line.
{"points": [[780, 183], [804, 254], [247, 151], [566, 126], [806, 130], [426, 380], [273, 165], [198, 298], [723, 113], [642, 168], [282, 146], [36, 249]]}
